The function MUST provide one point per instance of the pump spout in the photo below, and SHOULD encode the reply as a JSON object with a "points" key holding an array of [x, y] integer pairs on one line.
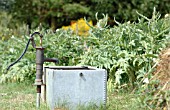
{"points": [[55, 60]]}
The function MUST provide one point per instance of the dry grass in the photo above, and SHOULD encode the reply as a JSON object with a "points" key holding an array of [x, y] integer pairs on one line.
{"points": [[163, 69]]}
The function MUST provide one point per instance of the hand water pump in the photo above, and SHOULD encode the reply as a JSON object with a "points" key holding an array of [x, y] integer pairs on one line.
{"points": [[40, 59]]}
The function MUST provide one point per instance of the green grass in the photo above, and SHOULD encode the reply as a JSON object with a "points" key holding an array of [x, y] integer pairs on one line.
{"points": [[20, 96], [124, 101]]}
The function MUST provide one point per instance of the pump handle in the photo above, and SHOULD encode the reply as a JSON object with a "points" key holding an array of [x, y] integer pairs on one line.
{"points": [[32, 39]]}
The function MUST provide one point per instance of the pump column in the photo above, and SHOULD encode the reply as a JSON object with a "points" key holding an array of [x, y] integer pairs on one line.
{"points": [[39, 72]]}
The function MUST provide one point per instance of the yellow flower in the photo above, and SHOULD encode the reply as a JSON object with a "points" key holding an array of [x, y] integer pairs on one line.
{"points": [[79, 27]]}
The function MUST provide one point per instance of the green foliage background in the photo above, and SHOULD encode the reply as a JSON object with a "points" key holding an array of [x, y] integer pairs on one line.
{"points": [[127, 50], [56, 13]]}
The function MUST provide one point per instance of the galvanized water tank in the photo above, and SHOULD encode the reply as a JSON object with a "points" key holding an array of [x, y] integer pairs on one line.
{"points": [[74, 86]]}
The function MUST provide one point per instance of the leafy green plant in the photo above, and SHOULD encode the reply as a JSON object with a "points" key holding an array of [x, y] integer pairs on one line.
{"points": [[128, 50], [22, 70], [61, 44]]}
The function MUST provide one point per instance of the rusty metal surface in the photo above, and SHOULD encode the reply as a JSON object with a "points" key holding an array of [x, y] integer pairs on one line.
{"points": [[39, 63], [32, 39], [40, 58], [55, 60]]}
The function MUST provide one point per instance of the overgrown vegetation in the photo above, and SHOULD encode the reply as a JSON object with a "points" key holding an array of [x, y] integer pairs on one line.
{"points": [[128, 51]]}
